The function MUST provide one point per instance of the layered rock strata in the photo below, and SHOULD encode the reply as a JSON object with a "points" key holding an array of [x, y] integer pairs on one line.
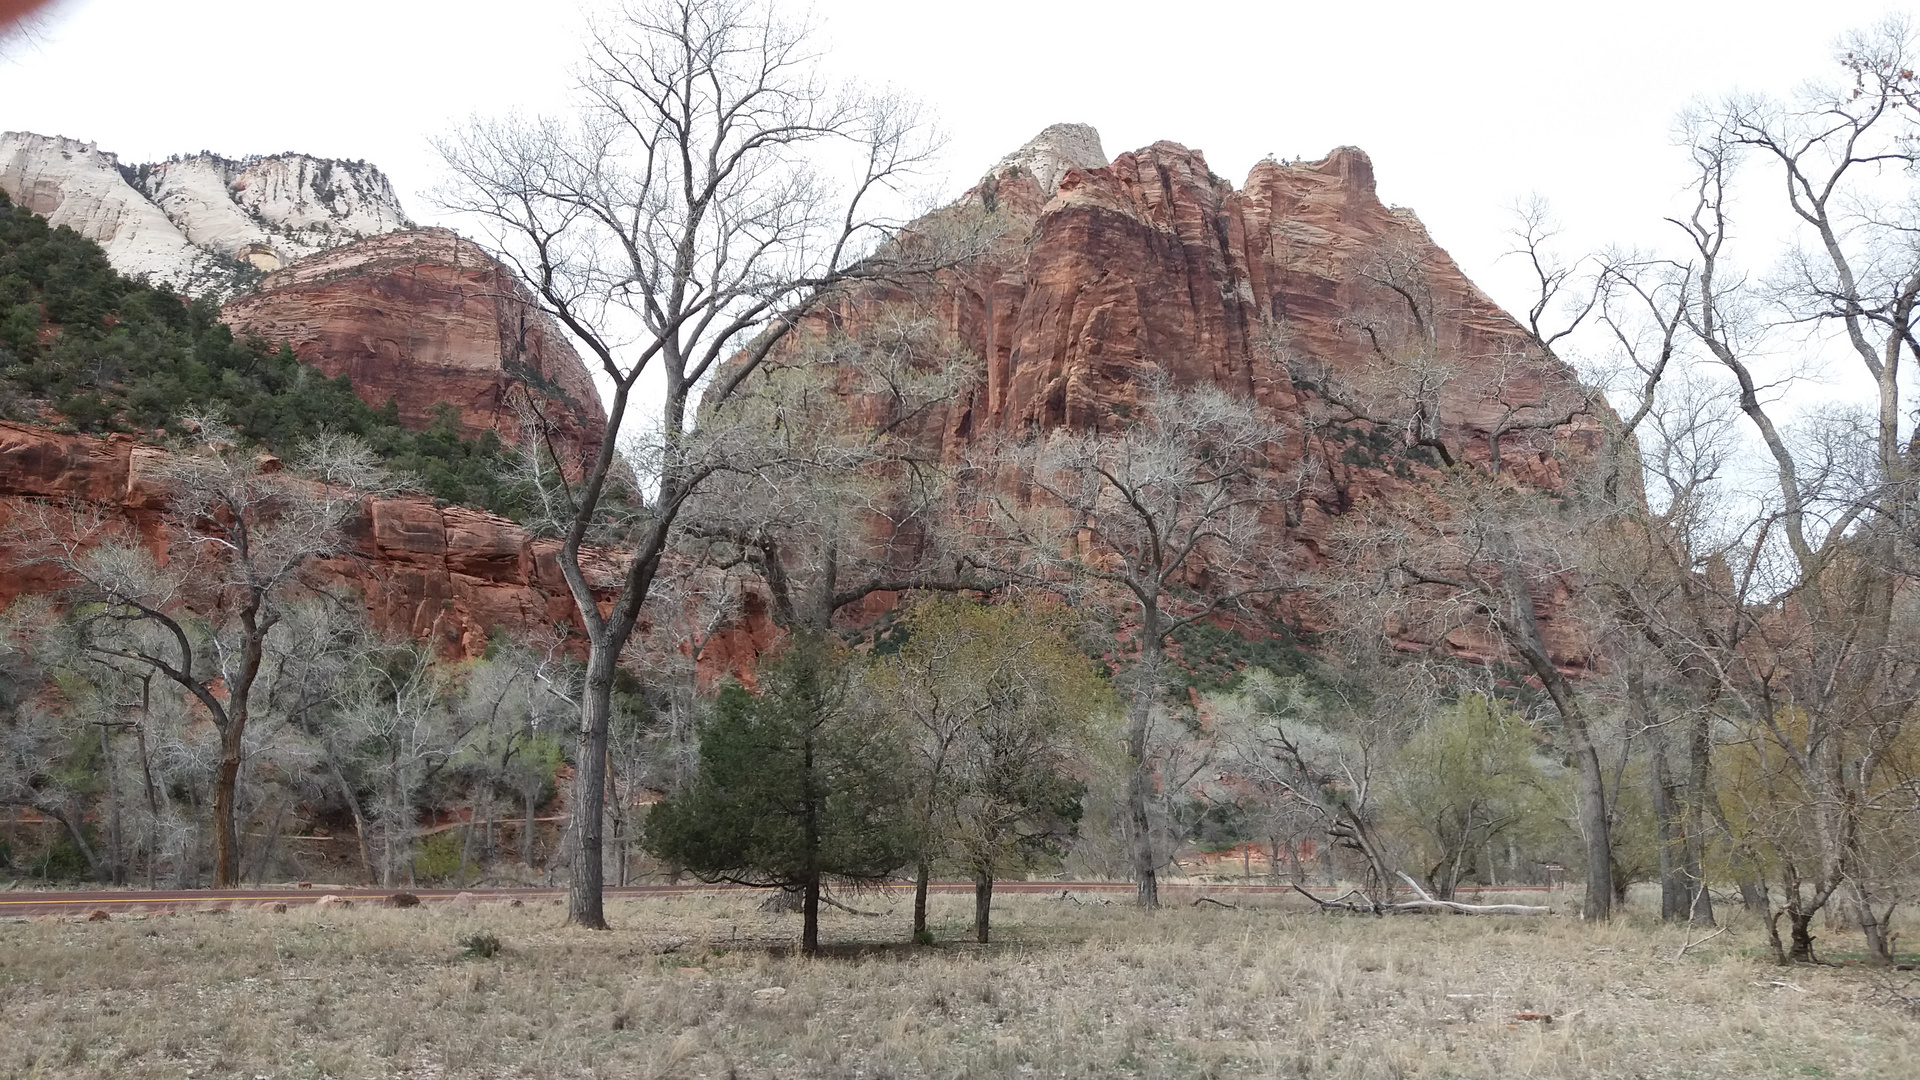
{"points": [[1151, 268], [422, 318], [444, 574]]}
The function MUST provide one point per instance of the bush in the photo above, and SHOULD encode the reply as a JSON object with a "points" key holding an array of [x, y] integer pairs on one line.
{"points": [[480, 946], [439, 857]]}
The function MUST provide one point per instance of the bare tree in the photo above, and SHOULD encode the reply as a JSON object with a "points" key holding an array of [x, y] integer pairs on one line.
{"points": [[839, 497], [243, 529], [1819, 672], [679, 228], [1163, 517]]}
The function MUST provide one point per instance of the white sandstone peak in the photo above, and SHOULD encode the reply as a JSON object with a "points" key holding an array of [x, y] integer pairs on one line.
{"points": [[203, 224], [1048, 155]]}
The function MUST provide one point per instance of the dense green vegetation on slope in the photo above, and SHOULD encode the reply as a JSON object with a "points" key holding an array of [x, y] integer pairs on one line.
{"points": [[104, 352]]}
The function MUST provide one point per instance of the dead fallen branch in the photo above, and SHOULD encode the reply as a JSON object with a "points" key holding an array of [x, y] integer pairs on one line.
{"points": [[1367, 906], [1684, 949], [1428, 903], [1215, 903]]}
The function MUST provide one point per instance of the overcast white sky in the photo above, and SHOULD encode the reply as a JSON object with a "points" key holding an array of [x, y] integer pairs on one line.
{"points": [[1465, 107]]}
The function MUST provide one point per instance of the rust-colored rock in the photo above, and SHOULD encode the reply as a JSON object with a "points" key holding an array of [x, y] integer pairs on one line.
{"points": [[1152, 267], [423, 317], [446, 574]]}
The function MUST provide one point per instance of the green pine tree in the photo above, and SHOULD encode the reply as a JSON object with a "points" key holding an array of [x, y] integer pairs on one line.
{"points": [[796, 786]]}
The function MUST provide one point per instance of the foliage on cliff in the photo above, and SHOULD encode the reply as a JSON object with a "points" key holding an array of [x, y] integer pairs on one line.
{"points": [[85, 346]]}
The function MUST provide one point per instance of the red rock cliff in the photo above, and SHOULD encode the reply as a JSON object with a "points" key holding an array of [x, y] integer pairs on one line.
{"points": [[1153, 267], [444, 574], [423, 317]]}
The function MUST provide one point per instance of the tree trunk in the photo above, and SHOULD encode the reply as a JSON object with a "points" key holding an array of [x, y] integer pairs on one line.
{"points": [[1800, 924], [116, 859], [273, 838], [810, 917], [359, 819], [1673, 887], [1140, 773], [1522, 632], [584, 902], [1699, 749], [982, 906], [1874, 926], [153, 795], [530, 798], [73, 823], [922, 874], [226, 833]]}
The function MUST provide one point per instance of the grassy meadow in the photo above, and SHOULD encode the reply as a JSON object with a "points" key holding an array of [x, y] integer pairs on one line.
{"points": [[709, 986]]}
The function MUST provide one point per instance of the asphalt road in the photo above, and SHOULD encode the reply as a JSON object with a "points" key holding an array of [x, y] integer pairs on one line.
{"points": [[115, 901]]}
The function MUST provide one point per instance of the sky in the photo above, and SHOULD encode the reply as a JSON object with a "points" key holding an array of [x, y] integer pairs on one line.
{"points": [[1466, 108]]}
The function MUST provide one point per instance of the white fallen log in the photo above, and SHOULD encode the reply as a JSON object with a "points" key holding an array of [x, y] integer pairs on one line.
{"points": [[1428, 903]]}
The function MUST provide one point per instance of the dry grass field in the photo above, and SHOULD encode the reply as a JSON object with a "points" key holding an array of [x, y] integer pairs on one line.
{"points": [[709, 986]]}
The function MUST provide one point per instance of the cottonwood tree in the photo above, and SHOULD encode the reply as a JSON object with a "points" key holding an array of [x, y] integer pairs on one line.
{"points": [[403, 735], [1481, 547], [845, 474], [1463, 782], [1822, 679], [1165, 517], [679, 226], [797, 785], [242, 530], [1001, 711], [1327, 759]]}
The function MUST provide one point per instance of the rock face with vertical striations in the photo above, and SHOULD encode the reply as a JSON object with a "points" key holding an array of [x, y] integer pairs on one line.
{"points": [[1118, 275], [1114, 275]]}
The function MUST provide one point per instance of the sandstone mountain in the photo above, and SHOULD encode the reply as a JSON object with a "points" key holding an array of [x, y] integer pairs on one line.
{"points": [[1113, 274], [205, 224], [422, 318], [1152, 268], [319, 255]]}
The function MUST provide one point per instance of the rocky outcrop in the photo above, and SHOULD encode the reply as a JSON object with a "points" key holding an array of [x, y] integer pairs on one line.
{"points": [[424, 317], [443, 574], [1151, 267], [205, 225]]}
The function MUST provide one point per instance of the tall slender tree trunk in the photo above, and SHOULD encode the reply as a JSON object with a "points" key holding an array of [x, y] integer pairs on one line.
{"points": [[923, 873], [1673, 888], [584, 886], [1699, 791], [153, 794], [1522, 632], [1140, 773]]}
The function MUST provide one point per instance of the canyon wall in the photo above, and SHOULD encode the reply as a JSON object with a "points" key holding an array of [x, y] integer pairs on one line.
{"points": [[424, 317], [444, 574]]}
